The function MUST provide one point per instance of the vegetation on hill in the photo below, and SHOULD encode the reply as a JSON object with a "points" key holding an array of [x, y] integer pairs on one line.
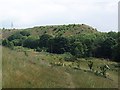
{"points": [[60, 56], [78, 40], [56, 30]]}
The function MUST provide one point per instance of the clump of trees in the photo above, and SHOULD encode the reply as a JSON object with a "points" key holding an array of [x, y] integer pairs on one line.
{"points": [[100, 45]]}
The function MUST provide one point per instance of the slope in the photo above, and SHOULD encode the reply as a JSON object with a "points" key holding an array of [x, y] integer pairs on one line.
{"points": [[34, 70]]}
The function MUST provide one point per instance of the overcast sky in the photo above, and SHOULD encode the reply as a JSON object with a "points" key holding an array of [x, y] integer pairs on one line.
{"points": [[101, 14]]}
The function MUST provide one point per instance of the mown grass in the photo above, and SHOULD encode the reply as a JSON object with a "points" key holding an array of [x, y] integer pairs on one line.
{"points": [[35, 71]]}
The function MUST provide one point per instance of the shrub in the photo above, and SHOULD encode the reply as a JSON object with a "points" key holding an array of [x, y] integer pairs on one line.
{"points": [[15, 36], [17, 42], [30, 42], [70, 57], [25, 33], [5, 42], [38, 49], [90, 65]]}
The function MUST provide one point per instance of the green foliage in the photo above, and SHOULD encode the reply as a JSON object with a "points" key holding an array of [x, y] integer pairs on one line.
{"points": [[116, 52], [25, 33], [15, 36], [78, 49], [11, 45], [106, 48], [58, 45], [17, 42], [43, 41], [70, 57], [38, 49], [8, 44], [114, 35], [60, 39], [30, 42], [5, 42]]}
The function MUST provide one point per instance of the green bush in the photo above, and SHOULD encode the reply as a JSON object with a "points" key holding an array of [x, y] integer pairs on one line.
{"points": [[15, 36], [31, 42], [69, 57], [25, 33], [38, 49]]}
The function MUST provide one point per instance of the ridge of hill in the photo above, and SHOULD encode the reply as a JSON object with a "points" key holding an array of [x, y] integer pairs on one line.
{"points": [[54, 30]]}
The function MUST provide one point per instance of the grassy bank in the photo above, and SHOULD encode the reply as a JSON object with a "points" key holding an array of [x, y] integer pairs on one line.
{"points": [[31, 69]]}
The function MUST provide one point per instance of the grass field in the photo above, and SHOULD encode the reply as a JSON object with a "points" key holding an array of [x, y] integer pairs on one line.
{"points": [[0, 67], [25, 68]]}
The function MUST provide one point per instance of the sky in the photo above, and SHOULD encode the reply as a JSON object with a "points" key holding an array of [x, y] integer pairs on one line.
{"points": [[100, 14]]}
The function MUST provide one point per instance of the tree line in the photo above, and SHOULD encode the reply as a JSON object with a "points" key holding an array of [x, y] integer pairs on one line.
{"points": [[100, 45]]}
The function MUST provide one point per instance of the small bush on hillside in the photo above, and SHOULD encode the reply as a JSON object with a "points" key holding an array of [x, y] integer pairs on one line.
{"points": [[26, 54], [90, 65], [38, 49], [17, 42], [8, 44], [15, 36], [104, 69], [70, 57], [25, 33], [5, 42]]}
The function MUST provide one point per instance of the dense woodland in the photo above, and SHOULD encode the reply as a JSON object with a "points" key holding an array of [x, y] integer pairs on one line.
{"points": [[87, 44]]}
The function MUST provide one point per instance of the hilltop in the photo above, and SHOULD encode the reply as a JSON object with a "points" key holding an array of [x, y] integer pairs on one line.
{"points": [[54, 30]]}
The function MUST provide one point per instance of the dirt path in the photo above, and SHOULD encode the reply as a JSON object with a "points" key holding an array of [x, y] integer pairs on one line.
{"points": [[69, 80]]}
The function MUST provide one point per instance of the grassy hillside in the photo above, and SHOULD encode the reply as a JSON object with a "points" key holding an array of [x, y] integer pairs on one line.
{"points": [[26, 68], [64, 30], [23, 67]]}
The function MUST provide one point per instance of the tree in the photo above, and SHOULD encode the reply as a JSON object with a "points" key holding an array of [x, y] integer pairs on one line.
{"points": [[59, 45], [7, 43], [116, 50], [112, 34], [50, 45], [15, 36], [77, 49], [17, 42], [43, 41], [25, 33], [106, 48], [11, 45], [116, 53], [31, 42]]}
